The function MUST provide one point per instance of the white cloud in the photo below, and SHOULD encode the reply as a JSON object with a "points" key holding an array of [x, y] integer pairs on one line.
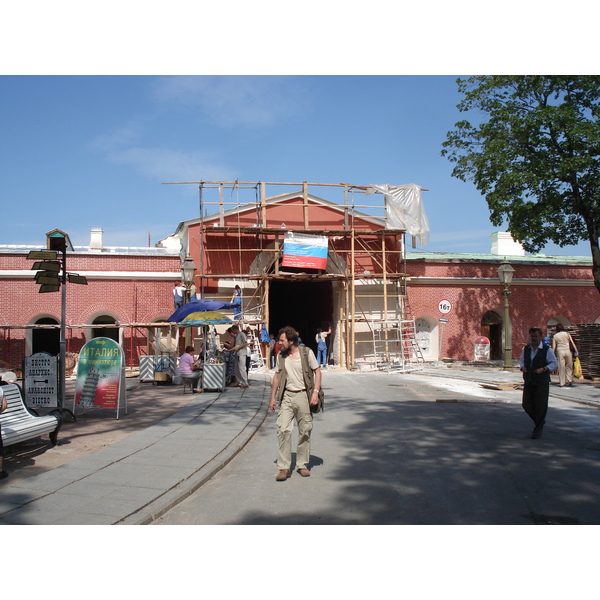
{"points": [[120, 137], [230, 101], [171, 165]]}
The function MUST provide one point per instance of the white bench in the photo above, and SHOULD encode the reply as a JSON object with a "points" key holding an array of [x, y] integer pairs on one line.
{"points": [[20, 424]]}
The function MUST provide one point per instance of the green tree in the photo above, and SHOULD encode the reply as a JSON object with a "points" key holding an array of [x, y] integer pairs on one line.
{"points": [[534, 154]]}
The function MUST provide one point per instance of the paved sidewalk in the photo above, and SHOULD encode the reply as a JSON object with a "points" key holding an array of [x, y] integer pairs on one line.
{"points": [[138, 478], [583, 391]]}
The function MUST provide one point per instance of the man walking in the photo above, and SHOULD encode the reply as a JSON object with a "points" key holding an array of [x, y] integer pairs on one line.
{"points": [[289, 387], [240, 348], [537, 362]]}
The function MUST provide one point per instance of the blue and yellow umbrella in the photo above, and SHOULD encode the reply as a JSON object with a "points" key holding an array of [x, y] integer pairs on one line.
{"points": [[203, 318]]}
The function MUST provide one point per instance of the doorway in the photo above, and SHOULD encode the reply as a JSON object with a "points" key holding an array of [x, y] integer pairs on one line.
{"points": [[46, 340], [491, 328], [304, 305]]}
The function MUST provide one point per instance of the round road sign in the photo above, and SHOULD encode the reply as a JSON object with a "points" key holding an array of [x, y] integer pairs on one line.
{"points": [[445, 306]]}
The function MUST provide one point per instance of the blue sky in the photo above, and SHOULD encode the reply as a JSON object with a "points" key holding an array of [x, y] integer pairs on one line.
{"points": [[93, 151]]}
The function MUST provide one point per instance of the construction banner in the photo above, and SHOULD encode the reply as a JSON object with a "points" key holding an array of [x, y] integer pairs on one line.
{"points": [[304, 251]]}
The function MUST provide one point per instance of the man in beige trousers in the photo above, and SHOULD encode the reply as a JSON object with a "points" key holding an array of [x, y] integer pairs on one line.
{"points": [[289, 387]]}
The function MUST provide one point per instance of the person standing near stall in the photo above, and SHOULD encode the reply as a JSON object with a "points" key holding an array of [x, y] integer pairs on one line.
{"points": [[241, 350]]}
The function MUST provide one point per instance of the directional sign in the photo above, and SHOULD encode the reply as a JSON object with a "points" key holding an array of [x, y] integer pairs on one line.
{"points": [[44, 289], [74, 278], [46, 265], [50, 274], [41, 255], [46, 279]]}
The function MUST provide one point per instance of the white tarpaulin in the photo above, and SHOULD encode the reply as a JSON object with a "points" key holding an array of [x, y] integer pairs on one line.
{"points": [[404, 209]]}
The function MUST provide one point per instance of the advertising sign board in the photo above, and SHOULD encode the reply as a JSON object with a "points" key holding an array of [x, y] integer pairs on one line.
{"points": [[100, 375], [40, 380]]}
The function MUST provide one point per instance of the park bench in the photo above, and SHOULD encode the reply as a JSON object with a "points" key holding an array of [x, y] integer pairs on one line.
{"points": [[20, 423]]}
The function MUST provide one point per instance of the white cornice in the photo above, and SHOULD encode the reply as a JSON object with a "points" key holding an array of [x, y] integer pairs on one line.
{"points": [[152, 275], [494, 281]]}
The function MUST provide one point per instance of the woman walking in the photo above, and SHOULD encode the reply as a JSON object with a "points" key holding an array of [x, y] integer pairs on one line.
{"points": [[561, 344]]}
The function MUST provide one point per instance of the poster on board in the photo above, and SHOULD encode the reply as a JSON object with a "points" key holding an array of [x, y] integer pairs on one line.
{"points": [[304, 251], [100, 376]]}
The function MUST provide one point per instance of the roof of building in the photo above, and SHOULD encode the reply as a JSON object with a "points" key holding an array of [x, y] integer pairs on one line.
{"points": [[107, 250], [539, 259]]}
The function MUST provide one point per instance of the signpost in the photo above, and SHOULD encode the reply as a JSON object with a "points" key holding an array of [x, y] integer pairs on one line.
{"points": [[52, 276], [444, 306]]}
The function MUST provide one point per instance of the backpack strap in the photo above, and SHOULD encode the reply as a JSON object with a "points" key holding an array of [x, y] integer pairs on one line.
{"points": [[309, 381], [281, 378]]}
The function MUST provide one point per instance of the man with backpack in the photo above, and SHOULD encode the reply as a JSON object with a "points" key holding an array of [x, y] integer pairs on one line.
{"points": [[295, 387]]}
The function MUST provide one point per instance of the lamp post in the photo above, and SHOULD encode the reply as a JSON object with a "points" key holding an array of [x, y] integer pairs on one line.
{"points": [[188, 269], [505, 275]]}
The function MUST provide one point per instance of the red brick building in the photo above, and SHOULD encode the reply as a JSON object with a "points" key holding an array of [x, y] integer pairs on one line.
{"points": [[370, 282], [545, 290], [126, 286]]}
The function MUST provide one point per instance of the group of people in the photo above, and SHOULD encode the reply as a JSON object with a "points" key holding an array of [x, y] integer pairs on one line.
{"points": [[537, 362], [237, 348], [275, 347]]}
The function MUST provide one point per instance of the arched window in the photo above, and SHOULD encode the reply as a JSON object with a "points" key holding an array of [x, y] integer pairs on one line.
{"points": [[106, 331]]}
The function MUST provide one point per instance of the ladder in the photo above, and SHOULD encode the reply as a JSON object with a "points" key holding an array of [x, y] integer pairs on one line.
{"points": [[395, 343], [410, 347], [411, 351], [257, 360]]}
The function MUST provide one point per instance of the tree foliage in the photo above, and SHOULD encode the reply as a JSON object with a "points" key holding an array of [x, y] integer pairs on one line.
{"points": [[534, 155]]}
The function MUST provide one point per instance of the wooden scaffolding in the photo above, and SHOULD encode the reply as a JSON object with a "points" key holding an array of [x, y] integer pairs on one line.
{"points": [[220, 201]]}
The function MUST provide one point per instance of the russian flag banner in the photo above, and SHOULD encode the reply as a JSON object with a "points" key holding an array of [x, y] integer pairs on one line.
{"points": [[304, 251]]}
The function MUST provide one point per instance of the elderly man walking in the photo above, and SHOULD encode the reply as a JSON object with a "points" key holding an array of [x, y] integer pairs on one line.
{"points": [[537, 362]]}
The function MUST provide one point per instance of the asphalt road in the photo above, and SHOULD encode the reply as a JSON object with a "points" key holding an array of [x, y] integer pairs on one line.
{"points": [[409, 449]]}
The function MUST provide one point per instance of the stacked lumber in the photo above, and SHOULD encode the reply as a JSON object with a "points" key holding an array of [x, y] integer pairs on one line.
{"points": [[587, 339]]}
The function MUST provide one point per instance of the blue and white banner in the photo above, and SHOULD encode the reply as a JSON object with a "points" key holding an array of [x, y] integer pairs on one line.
{"points": [[304, 251]]}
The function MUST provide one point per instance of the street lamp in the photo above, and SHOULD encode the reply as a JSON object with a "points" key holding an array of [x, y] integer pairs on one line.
{"points": [[505, 274], [188, 269]]}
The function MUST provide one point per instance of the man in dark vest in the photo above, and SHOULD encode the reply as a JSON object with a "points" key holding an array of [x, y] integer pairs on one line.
{"points": [[537, 362]]}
